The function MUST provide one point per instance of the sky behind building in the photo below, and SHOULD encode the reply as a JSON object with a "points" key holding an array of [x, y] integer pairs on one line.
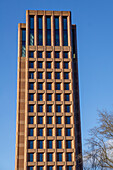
{"points": [[94, 20]]}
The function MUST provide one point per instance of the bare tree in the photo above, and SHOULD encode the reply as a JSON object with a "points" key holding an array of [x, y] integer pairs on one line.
{"points": [[99, 154]]}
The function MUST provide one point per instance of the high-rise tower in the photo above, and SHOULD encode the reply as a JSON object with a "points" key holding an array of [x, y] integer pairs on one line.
{"points": [[48, 130]]}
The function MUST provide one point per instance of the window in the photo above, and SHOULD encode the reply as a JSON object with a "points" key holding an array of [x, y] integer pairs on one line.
{"points": [[40, 86], [67, 96], [59, 132], [40, 132], [48, 54], [30, 168], [49, 168], [59, 144], [58, 97], [57, 75], [67, 108], [59, 157], [59, 167], [30, 144], [31, 54], [69, 167], [58, 108], [39, 64], [65, 32], [69, 156], [56, 31], [65, 54], [57, 64], [66, 75], [48, 75], [40, 75], [31, 64], [49, 119], [68, 132], [40, 120], [67, 119], [23, 42], [30, 131], [30, 157], [66, 86], [30, 119], [40, 168], [48, 65], [49, 144], [57, 86], [40, 97], [68, 144], [40, 31], [31, 86], [49, 97], [57, 55], [39, 54], [40, 108], [49, 108], [58, 119], [49, 86], [31, 108], [40, 157], [31, 97], [50, 157], [40, 144], [66, 65], [48, 31], [31, 75], [49, 131], [31, 39]]}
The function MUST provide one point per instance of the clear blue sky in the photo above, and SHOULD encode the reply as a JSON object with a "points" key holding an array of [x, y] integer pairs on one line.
{"points": [[94, 19]]}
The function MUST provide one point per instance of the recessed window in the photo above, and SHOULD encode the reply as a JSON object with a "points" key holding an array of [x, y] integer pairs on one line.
{"points": [[31, 75], [69, 156], [68, 132], [67, 108], [66, 75], [57, 65], [40, 144], [49, 108], [30, 119], [66, 65], [23, 50], [40, 64], [58, 97], [59, 157], [66, 86], [30, 144], [49, 144], [30, 157], [65, 54], [40, 75], [49, 86], [68, 144], [49, 131], [59, 167], [31, 108], [31, 21], [58, 108], [40, 157], [39, 54], [58, 119], [40, 86], [67, 119], [67, 97], [40, 30], [31, 86], [30, 168], [31, 54], [30, 132], [40, 108], [31, 64], [59, 144], [40, 168], [49, 167], [40, 119], [57, 75], [40, 97], [48, 75], [57, 55], [69, 167], [65, 31], [49, 119], [48, 64], [40, 131], [59, 132], [31, 97], [48, 54], [49, 157], [57, 86], [56, 21], [49, 97], [48, 31]]}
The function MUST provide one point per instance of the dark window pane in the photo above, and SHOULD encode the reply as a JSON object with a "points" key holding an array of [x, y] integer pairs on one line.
{"points": [[40, 144], [66, 97], [30, 132], [40, 75], [40, 108], [58, 119], [39, 54], [68, 144], [58, 97], [31, 75], [31, 86], [57, 86], [40, 168], [49, 132], [59, 132], [49, 120], [68, 132], [57, 64], [48, 75], [49, 86], [65, 32], [57, 55], [40, 31], [40, 157], [40, 64], [56, 31], [31, 97], [31, 108], [58, 108], [23, 42], [31, 64], [40, 86], [30, 144], [49, 108], [30, 119], [59, 144], [30, 157], [67, 108], [48, 54], [31, 40], [30, 168], [31, 54], [66, 75], [59, 156], [50, 157], [48, 64], [40, 97], [57, 75], [49, 97], [49, 144], [40, 120], [65, 54], [40, 132], [48, 31], [66, 86], [69, 156], [67, 119], [66, 65]]}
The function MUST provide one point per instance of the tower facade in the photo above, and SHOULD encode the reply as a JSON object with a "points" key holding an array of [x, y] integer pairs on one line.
{"points": [[48, 130]]}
